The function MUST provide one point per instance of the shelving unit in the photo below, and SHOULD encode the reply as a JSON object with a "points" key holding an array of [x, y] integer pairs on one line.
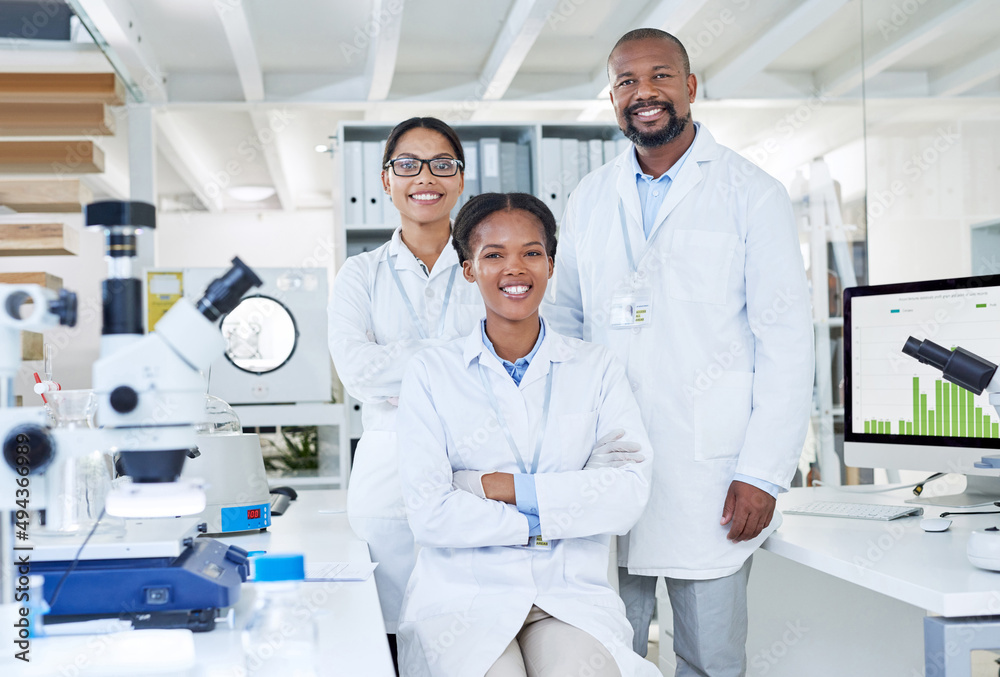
{"points": [[355, 237]]}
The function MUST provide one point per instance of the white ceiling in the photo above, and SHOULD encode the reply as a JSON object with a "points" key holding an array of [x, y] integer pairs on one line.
{"points": [[217, 72]]}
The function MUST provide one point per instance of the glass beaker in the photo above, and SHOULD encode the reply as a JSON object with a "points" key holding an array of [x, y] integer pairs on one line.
{"points": [[80, 479], [72, 408]]}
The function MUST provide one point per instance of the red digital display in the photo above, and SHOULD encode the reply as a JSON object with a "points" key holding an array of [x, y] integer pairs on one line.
{"points": [[253, 514]]}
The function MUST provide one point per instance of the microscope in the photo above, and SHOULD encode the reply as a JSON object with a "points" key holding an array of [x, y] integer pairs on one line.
{"points": [[151, 395], [974, 373]]}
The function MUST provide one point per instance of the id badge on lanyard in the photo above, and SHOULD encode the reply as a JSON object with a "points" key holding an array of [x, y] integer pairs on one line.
{"points": [[632, 301]]}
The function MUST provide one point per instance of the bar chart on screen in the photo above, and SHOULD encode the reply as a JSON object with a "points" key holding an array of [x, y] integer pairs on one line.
{"points": [[894, 394]]}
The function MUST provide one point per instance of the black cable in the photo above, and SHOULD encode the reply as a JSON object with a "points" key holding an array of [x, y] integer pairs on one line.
{"points": [[976, 512], [918, 488], [76, 560]]}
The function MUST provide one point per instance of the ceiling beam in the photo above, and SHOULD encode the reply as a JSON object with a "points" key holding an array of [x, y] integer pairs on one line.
{"points": [[963, 78], [523, 26], [266, 127], [171, 142], [237, 29], [919, 31], [726, 80], [667, 15], [387, 15], [670, 15], [116, 22]]}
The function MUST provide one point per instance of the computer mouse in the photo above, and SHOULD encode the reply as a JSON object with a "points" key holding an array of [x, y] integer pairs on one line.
{"points": [[935, 524]]}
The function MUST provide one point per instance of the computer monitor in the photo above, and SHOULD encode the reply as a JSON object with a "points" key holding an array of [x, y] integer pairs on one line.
{"points": [[901, 414]]}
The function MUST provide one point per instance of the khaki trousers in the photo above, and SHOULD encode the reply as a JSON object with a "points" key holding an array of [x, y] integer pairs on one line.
{"points": [[548, 647]]}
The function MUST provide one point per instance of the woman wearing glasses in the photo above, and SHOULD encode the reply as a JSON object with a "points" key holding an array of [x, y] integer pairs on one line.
{"points": [[387, 304]]}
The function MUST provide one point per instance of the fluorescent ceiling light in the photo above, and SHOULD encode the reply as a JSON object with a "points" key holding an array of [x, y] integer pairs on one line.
{"points": [[250, 193]]}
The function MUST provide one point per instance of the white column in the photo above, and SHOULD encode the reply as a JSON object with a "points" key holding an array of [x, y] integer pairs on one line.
{"points": [[142, 173]]}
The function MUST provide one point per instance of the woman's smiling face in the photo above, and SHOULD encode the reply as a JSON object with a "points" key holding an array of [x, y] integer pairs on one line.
{"points": [[423, 198], [509, 263]]}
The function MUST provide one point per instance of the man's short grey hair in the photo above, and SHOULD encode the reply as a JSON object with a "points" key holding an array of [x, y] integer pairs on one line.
{"points": [[652, 34]]}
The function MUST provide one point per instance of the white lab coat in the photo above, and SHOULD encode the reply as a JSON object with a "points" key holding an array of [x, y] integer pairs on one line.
{"points": [[372, 338], [724, 374], [474, 582]]}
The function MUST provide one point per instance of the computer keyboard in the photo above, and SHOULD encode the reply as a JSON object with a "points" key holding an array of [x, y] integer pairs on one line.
{"points": [[864, 511]]}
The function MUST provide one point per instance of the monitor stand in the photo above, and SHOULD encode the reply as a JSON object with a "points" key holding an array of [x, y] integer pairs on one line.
{"points": [[979, 491]]}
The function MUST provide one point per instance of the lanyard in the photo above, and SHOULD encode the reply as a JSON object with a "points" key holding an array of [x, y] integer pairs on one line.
{"points": [[503, 424], [409, 304], [628, 241]]}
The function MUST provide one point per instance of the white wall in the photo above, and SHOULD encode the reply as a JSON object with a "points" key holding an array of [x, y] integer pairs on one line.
{"points": [[262, 239], [925, 190]]}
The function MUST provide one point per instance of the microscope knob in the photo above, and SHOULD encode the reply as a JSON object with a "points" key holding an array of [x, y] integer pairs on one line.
{"points": [[64, 308], [28, 445], [124, 399]]}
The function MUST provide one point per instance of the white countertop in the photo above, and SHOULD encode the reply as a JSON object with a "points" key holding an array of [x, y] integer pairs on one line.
{"points": [[896, 558], [348, 616]]}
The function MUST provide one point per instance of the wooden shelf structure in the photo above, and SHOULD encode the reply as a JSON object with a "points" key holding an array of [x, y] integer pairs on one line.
{"points": [[34, 157], [103, 88], [45, 195], [56, 119], [38, 239]]}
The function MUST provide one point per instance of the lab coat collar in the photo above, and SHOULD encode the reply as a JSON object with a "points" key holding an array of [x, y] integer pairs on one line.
{"points": [[554, 348], [406, 260], [704, 149]]}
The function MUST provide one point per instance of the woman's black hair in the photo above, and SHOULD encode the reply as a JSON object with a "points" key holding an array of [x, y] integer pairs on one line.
{"points": [[442, 128], [479, 208]]}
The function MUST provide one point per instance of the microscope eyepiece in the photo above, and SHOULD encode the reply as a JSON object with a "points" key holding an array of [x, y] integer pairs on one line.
{"points": [[224, 293], [958, 366]]}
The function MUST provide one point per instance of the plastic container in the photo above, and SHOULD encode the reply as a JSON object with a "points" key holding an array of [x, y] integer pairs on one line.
{"points": [[281, 637]]}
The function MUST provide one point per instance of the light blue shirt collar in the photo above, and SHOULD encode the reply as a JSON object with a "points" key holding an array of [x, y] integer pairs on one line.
{"points": [[517, 368], [671, 173]]}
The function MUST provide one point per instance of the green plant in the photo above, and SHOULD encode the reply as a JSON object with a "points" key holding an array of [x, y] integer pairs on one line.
{"points": [[297, 450]]}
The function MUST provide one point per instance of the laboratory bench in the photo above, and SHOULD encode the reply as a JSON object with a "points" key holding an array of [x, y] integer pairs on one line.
{"points": [[352, 637], [837, 596]]}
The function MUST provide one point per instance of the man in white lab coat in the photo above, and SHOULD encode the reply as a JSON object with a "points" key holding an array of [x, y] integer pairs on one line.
{"points": [[683, 258]]}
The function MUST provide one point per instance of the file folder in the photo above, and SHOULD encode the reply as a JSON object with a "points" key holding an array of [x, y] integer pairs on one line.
{"points": [[523, 169], [596, 153], [372, 182], [508, 166], [489, 165], [570, 166], [551, 185], [354, 200]]}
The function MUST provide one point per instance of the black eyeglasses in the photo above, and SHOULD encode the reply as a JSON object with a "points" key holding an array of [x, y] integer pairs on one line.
{"points": [[411, 166]]}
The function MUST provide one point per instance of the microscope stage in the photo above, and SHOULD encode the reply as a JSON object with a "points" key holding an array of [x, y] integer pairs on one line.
{"points": [[140, 539]]}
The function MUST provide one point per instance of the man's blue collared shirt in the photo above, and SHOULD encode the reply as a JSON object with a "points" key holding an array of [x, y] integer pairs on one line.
{"points": [[652, 191]]}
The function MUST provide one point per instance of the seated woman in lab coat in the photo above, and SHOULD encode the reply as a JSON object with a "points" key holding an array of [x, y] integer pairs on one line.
{"points": [[521, 453]]}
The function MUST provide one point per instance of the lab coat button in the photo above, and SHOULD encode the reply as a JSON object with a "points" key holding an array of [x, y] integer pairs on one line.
{"points": [[635, 386], [429, 293], [636, 330]]}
